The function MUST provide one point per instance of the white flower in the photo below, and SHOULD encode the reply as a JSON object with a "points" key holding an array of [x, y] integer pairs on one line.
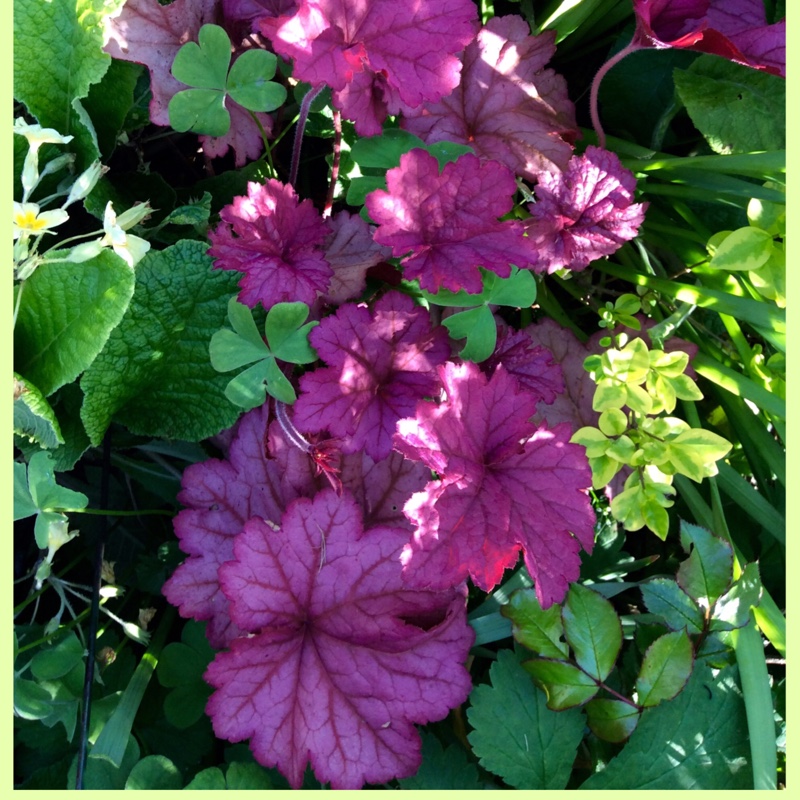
{"points": [[30, 220], [37, 135], [130, 249]]}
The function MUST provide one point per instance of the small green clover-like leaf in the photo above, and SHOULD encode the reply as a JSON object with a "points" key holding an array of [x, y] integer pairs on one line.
{"points": [[249, 81], [664, 597], [384, 151], [708, 571], [518, 290], [199, 110], [666, 668], [539, 630], [611, 720], [747, 248], [478, 327], [204, 64], [732, 610], [592, 629], [564, 684], [287, 335]]}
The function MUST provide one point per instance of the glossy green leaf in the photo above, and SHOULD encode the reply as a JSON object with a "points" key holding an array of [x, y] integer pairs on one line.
{"points": [[592, 629], [611, 720], [539, 630], [478, 327], [154, 772], [708, 571], [564, 684], [665, 669], [515, 735], [66, 315], [204, 64], [732, 610], [613, 422], [664, 597]]}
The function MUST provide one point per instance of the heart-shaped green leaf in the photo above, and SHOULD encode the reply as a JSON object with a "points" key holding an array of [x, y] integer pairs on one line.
{"points": [[478, 327], [204, 65], [249, 82], [201, 111]]}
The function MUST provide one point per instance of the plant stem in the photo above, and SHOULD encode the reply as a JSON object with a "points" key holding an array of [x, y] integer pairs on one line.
{"points": [[337, 153], [601, 73], [108, 512], [305, 107], [267, 149]]}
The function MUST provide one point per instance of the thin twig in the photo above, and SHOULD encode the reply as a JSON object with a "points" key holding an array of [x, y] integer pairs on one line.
{"points": [[305, 107]]}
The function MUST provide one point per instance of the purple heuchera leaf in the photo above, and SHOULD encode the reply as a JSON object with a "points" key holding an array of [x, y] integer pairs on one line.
{"points": [[380, 363], [276, 241], [504, 487], [149, 33], [449, 221], [261, 475], [531, 364], [351, 251], [378, 56], [341, 658], [584, 213], [734, 29], [507, 107], [249, 10]]}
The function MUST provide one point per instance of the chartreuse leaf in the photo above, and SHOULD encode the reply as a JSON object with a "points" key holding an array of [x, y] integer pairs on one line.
{"points": [[154, 772], [442, 768], [592, 629], [708, 571], [664, 597], [732, 610], [539, 630], [747, 248], [154, 375], [695, 741], [611, 720], [514, 733], [287, 339], [665, 669], [67, 312], [564, 684], [33, 417]]}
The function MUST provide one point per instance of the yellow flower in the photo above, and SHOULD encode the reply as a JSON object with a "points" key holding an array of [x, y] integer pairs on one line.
{"points": [[29, 220]]}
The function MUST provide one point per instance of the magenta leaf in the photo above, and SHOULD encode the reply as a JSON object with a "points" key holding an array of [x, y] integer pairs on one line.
{"points": [[734, 29], [449, 221], [380, 363], [504, 487], [584, 213], [341, 658], [377, 55], [149, 33], [351, 251], [276, 241], [507, 107]]}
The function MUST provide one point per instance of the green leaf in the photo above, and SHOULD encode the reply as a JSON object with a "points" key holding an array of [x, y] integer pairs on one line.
{"points": [[154, 374], [58, 55], [695, 741], [732, 610], [286, 334], [66, 315], [102, 774], [248, 390], [185, 705], [611, 720], [247, 776], [180, 664], [694, 452], [24, 506], [539, 630], [664, 597], [45, 492], [241, 318], [55, 662], [518, 290], [445, 152], [708, 571], [442, 768], [204, 64], [516, 736], [747, 248], [384, 151], [736, 108], [154, 772], [199, 110], [33, 417], [229, 351], [592, 629], [564, 684], [666, 668], [31, 701], [211, 778], [478, 327], [249, 85]]}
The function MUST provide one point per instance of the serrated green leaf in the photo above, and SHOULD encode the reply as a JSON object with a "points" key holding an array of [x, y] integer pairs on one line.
{"points": [[204, 64], [564, 684], [708, 571], [666, 668], [592, 629], [154, 772], [154, 374], [442, 768], [664, 597], [736, 108], [747, 248], [201, 111], [478, 327], [33, 417], [611, 720], [537, 629], [732, 610], [66, 315], [516, 736], [249, 81], [692, 742], [55, 662]]}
